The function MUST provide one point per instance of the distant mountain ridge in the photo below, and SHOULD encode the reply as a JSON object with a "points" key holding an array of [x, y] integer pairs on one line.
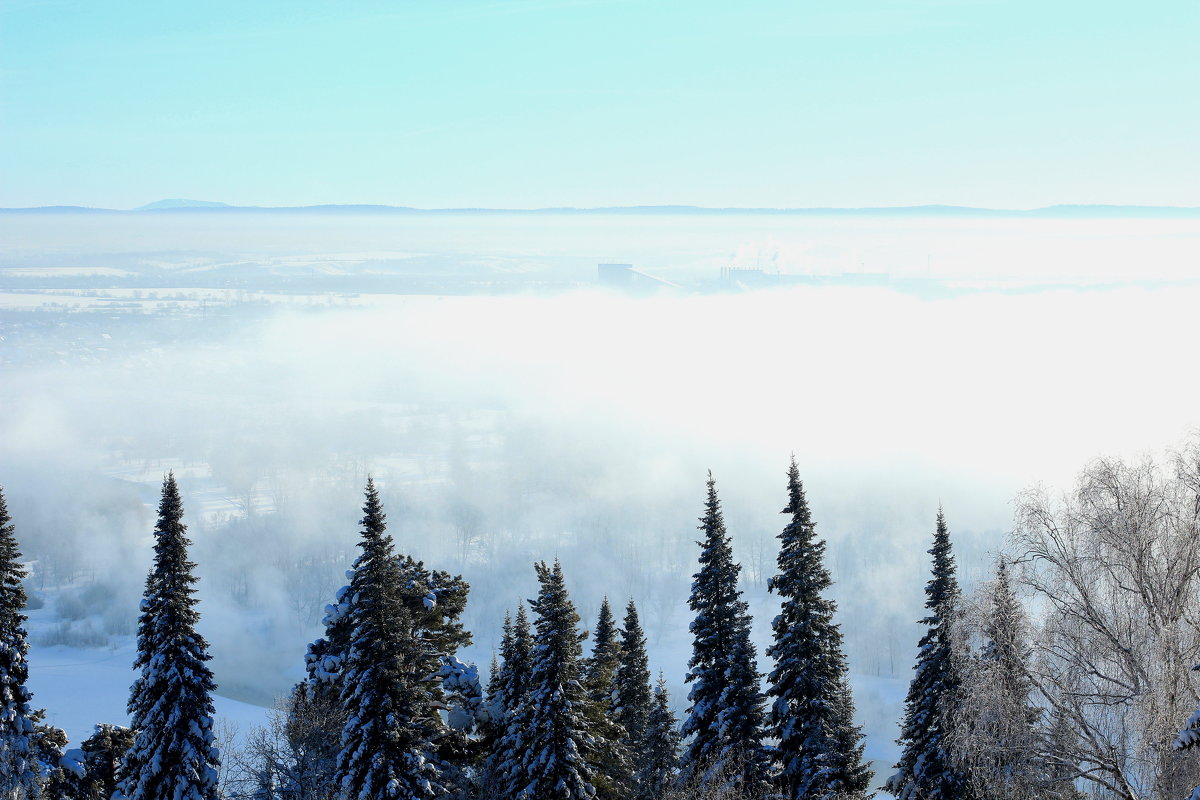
{"points": [[181, 203], [1080, 211]]}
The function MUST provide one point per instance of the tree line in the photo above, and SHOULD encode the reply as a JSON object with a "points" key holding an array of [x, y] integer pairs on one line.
{"points": [[998, 707]]}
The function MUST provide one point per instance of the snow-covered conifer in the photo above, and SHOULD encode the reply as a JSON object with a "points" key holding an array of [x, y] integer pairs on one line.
{"points": [[606, 654], [19, 768], [95, 765], [820, 748], [56, 778], [510, 684], [607, 753], [926, 769], [386, 751], [725, 720], [174, 753], [632, 695], [435, 600], [658, 765], [549, 730]]}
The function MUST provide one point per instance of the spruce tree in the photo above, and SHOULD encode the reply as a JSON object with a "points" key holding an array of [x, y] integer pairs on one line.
{"points": [[493, 685], [607, 755], [435, 600], [19, 765], [606, 654], [726, 717], [516, 665], [174, 754], [926, 769], [511, 686], [550, 733], [99, 763], [48, 743], [632, 695], [491, 727], [386, 750], [820, 748], [658, 766]]}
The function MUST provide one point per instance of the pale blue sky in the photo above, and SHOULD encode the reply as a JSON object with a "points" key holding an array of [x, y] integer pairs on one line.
{"points": [[529, 104]]}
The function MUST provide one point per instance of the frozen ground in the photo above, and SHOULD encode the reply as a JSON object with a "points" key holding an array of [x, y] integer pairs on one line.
{"points": [[80, 686]]}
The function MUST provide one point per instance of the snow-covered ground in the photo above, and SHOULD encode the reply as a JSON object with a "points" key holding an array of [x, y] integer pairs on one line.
{"points": [[80, 686]]}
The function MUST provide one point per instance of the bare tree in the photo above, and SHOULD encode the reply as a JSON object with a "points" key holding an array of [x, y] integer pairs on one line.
{"points": [[276, 762], [1113, 568]]}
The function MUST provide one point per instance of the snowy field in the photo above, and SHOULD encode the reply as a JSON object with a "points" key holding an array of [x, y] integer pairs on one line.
{"points": [[81, 686]]}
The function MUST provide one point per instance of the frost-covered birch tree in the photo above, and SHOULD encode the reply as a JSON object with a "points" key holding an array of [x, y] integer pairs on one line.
{"points": [[1114, 569]]}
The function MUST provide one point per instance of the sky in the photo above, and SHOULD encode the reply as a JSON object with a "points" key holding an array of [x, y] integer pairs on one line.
{"points": [[540, 103]]}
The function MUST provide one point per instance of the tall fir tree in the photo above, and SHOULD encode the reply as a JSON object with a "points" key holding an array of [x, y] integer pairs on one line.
{"points": [[726, 717], [434, 601], [658, 767], [174, 754], [493, 685], [600, 667], [549, 730], [820, 749], [505, 698], [926, 770], [632, 695], [607, 754], [19, 765], [386, 750]]}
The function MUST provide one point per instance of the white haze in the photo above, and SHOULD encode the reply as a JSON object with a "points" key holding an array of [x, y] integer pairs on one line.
{"points": [[1081, 251], [577, 425]]}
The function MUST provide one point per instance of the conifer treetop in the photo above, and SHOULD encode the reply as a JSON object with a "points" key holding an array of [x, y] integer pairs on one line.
{"points": [[925, 770], [174, 754], [550, 734], [820, 749], [726, 716], [21, 773], [12, 573], [386, 739], [942, 591], [631, 684]]}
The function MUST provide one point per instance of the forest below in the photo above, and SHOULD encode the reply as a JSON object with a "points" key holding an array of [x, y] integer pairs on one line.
{"points": [[1065, 674]]}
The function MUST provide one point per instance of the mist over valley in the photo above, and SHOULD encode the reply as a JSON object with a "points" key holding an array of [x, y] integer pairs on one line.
{"points": [[511, 409]]}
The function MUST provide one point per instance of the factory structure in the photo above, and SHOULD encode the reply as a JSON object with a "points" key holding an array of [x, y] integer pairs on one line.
{"points": [[627, 278]]}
